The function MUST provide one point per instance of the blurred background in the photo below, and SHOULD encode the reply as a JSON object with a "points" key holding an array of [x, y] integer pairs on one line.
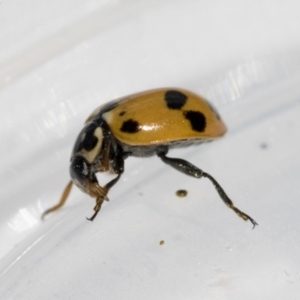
{"points": [[59, 60]]}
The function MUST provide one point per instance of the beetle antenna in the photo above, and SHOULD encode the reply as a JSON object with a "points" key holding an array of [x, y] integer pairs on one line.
{"points": [[61, 202]]}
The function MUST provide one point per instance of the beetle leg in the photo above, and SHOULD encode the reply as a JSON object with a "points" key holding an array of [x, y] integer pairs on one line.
{"points": [[191, 170], [104, 166], [118, 168], [100, 200], [61, 202], [97, 208]]}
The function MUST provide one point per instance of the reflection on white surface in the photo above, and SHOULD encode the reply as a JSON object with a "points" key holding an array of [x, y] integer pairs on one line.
{"points": [[24, 220], [255, 73], [57, 116], [16, 259]]}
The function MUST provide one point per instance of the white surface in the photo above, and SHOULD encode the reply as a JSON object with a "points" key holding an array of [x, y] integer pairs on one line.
{"points": [[61, 59]]}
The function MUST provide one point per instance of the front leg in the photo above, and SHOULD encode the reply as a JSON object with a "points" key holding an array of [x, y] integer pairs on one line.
{"points": [[101, 199], [118, 167]]}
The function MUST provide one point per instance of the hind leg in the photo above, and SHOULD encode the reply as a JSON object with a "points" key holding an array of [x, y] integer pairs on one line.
{"points": [[191, 170]]}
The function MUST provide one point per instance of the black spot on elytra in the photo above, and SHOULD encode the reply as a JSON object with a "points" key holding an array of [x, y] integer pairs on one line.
{"points": [[197, 119], [122, 113], [130, 126], [175, 99]]}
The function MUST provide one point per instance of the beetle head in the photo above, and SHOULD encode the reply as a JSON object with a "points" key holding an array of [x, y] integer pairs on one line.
{"points": [[84, 178], [85, 160]]}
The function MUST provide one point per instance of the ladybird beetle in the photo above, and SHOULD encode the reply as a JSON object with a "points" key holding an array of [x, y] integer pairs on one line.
{"points": [[142, 125]]}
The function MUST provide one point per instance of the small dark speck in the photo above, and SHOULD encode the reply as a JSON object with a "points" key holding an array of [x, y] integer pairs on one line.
{"points": [[161, 242], [122, 113], [264, 145], [181, 193]]}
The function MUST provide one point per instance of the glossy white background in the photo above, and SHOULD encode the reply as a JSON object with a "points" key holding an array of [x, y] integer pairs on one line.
{"points": [[61, 59]]}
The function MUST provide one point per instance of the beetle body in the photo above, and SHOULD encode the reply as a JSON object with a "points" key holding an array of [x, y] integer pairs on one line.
{"points": [[143, 124]]}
